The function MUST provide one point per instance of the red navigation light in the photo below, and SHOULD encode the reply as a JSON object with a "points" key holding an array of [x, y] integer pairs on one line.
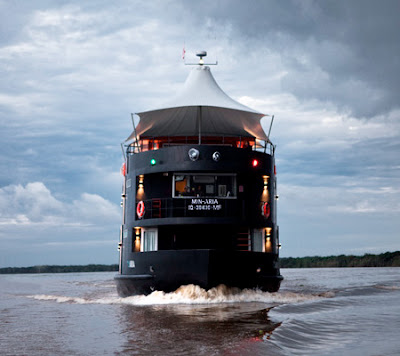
{"points": [[254, 163]]}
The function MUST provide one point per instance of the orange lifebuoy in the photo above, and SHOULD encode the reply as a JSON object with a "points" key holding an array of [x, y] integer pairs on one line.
{"points": [[266, 210], [123, 169], [140, 209]]}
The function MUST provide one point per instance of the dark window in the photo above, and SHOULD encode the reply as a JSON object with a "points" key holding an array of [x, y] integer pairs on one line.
{"points": [[204, 185]]}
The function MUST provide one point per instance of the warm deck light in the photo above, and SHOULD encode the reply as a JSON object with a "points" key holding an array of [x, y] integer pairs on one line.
{"points": [[268, 242], [141, 179], [137, 244], [137, 239], [265, 179]]}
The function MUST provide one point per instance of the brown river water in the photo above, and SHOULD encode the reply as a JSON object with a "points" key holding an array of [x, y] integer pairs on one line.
{"points": [[346, 311]]}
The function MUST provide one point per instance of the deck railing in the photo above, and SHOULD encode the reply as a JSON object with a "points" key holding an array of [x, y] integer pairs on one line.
{"points": [[155, 143], [189, 207]]}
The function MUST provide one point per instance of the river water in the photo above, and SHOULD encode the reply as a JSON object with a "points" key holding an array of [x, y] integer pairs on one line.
{"points": [[348, 311]]}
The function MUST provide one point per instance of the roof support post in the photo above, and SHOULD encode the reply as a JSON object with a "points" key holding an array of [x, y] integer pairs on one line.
{"points": [[134, 130], [199, 113], [123, 152], [270, 126]]}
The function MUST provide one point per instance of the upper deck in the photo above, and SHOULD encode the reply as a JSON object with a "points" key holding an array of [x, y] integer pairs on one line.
{"points": [[154, 143], [200, 113]]}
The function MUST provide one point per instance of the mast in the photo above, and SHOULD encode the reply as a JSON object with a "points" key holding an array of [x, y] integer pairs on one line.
{"points": [[199, 114], [200, 54]]}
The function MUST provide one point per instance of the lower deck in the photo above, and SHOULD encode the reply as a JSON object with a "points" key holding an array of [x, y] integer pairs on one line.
{"points": [[168, 270], [215, 237]]}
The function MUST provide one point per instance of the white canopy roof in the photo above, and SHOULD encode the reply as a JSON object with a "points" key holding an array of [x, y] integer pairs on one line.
{"points": [[201, 108]]}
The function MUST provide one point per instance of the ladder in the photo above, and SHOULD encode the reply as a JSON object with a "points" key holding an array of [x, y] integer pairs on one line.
{"points": [[156, 208], [243, 240]]}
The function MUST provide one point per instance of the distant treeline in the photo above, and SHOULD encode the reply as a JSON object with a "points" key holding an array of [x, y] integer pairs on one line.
{"points": [[387, 259], [60, 269]]}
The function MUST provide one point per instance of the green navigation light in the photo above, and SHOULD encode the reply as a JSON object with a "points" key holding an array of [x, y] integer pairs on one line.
{"points": [[153, 162]]}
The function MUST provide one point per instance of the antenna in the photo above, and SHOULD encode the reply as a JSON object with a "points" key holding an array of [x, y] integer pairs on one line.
{"points": [[201, 54], [123, 151], [270, 125]]}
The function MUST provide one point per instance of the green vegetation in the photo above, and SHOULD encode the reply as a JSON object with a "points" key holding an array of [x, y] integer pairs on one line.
{"points": [[387, 259], [60, 269]]}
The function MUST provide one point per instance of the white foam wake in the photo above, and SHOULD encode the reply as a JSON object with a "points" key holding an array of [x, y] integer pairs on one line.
{"points": [[190, 294]]}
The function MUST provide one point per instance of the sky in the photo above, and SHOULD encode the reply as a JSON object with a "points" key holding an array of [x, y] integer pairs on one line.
{"points": [[72, 72]]}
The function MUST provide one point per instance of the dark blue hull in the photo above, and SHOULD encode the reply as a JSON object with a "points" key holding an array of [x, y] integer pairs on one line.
{"points": [[168, 270]]}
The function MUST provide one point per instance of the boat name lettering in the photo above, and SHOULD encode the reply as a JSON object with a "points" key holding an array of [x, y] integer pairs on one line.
{"points": [[204, 204], [205, 201]]}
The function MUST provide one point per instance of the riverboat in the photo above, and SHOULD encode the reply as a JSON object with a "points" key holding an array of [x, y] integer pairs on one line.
{"points": [[199, 195]]}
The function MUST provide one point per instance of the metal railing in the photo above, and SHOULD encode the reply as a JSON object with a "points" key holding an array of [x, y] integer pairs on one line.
{"points": [[155, 143], [189, 207]]}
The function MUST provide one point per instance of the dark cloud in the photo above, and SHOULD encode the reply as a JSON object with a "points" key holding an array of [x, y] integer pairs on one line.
{"points": [[344, 52], [72, 72]]}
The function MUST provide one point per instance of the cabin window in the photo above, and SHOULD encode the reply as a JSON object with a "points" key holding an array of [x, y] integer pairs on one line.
{"points": [[204, 185], [149, 241], [257, 240]]}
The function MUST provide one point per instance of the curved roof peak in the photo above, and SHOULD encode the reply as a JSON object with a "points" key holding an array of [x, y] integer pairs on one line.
{"points": [[201, 107], [201, 89]]}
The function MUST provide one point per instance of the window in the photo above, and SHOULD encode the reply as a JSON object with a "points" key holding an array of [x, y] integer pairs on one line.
{"points": [[149, 240], [257, 237], [204, 185]]}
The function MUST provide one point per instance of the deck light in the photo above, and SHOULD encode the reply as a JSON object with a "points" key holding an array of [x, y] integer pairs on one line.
{"points": [[194, 154], [265, 179], [268, 242], [137, 239], [216, 156], [141, 179]]}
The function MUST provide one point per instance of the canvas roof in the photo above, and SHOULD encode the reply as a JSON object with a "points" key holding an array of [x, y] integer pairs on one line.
{"points": [[201, 107]]}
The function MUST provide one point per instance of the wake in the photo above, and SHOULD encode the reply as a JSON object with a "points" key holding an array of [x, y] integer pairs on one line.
{"points": [[190, 294]]}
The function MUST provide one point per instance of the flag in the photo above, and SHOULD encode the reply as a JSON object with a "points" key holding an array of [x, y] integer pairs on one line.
{"points": [[183, 52]]}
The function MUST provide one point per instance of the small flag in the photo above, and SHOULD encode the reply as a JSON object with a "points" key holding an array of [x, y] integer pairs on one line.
{"points": [[183, 52]]}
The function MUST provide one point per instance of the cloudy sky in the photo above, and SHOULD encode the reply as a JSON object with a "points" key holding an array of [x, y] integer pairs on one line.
{"points": [[73, 71]]}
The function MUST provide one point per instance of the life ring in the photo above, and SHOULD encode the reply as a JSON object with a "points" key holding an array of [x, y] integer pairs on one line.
{"points": [[266, 210], [123, 169], [140, 209]]}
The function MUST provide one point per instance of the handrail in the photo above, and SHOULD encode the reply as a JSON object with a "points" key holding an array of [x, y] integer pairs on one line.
{"points": [[189, 207], [154, 143]]}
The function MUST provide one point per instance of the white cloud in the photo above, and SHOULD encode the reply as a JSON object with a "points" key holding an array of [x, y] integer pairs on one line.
{"points": [[35, 205], [72, 74], [95, 209], [340, 197]]}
